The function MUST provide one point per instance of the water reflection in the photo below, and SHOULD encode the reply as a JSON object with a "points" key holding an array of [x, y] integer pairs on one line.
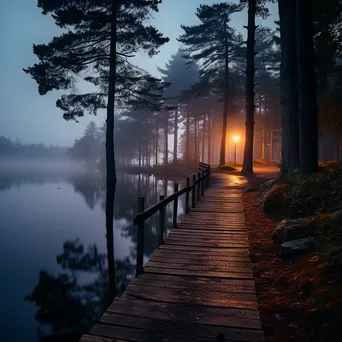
{"points": [[71, 301], [72, 295]]}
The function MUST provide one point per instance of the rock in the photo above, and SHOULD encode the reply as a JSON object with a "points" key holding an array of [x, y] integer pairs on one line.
{"points": [[288, 230], [337, 215], [295, 247], [273, 200]]}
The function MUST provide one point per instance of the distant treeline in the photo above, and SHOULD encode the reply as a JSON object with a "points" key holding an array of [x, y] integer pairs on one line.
{"points": [[15, 150]]}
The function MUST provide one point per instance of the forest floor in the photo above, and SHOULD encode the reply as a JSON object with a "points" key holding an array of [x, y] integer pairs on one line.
{"points": [[299, 299]]}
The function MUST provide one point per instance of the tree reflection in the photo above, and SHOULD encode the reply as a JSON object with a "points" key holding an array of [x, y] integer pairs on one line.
{"points": [[90, 186], [69, 303]]}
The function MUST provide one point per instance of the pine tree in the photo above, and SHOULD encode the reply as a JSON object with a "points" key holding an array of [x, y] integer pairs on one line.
{"points": [[215, 45], [181, 77], [100, 39]]}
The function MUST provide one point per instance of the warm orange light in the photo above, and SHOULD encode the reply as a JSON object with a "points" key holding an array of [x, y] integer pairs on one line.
{"points": [[236, 138]]}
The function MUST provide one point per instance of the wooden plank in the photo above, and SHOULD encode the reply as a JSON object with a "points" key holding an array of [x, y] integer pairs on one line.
{"points": [[165, 329], [225, 228], [217, 210], [206, 241], [215, 244], [214, 283], [210, 250], [186, 287], [139, 335], [94, 338], [216, 267], [209, 232], [165, 270], [208, 238], [199, 296], [229, 317], [198, 259], [207, 258]]}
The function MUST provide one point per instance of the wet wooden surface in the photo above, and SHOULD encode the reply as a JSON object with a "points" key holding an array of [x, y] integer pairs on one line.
{"points": [[198, 286]]}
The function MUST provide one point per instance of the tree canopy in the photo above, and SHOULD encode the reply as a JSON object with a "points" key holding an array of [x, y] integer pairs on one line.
{"points": [[82, 52]]}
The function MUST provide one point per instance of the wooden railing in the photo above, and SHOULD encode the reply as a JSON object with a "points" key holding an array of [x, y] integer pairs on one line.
{"points": [[200, 183]]}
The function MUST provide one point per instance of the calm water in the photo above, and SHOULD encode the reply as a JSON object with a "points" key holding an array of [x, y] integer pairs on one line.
{"points": [[53, 255]]}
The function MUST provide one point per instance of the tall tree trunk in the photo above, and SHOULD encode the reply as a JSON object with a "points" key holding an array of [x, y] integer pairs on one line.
{"points": [[226, 91], [308, 108], [166, 138], [196, 139], [264, 144], [110, 195], [250, 72], [289, 86], [175, 143], [209, 137], [271, 146], [157, 142], [203, 137], [187, 148], [110, 158]]}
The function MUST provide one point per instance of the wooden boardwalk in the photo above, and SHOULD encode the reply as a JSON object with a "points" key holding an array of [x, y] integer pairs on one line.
{"points": [[198, 286]]}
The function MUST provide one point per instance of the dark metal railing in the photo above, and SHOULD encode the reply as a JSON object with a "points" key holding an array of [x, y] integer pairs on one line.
{"points": [[200, 183]]}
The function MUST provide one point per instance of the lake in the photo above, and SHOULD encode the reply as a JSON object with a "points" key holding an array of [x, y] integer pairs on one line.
{"points": [[53, 256]]}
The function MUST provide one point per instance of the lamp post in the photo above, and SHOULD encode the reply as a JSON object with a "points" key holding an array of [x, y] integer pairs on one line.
{"points": [[236, 138]]}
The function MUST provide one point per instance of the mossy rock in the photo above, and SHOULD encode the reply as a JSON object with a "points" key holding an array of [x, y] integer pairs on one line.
{"points": [[288, 230], [273, 201]]}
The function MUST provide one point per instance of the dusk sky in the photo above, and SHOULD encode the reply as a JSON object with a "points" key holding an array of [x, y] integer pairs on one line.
{"points": [[33, 118]]}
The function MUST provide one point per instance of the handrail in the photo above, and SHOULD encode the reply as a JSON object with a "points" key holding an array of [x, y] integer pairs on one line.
{"points": [[199, 185], [156, 207]]}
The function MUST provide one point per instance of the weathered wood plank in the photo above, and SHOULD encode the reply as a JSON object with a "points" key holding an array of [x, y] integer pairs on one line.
{"points": [[218, 267], [140, 335], [209, 250], [209, 234], [228, 228], [217, 244], [94, 338], [197, 296], [165, 270], [207, 238], [199, 260], [194, 281], [160, 328], [229, 317]]}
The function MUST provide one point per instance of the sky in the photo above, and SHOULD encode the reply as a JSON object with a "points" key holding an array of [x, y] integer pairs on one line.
{"points": [[32, 118]]}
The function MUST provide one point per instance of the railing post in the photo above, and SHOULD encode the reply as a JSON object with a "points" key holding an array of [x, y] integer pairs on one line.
{"points": [[187, 194], [202, 183], [161, 222], [198, 186], [140, 239], [193, 197], [175, 206]]}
